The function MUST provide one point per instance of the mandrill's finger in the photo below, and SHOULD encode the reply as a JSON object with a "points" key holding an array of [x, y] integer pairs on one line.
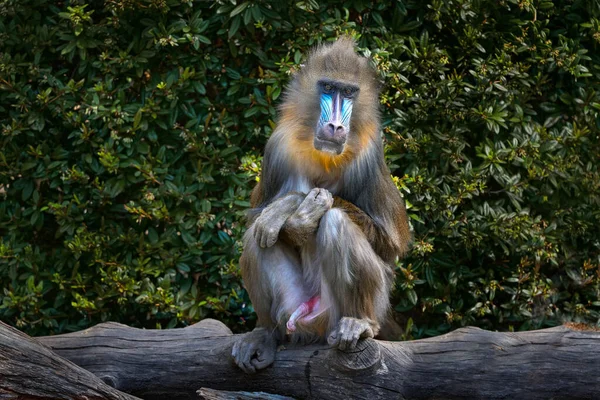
{"points": [[245, 363], [313, 193], [262, 240], [241, 364], [271, 237], [247, 350], [263, 361], [247, 367], [354, 342], [333, 339], [324, 193], [348, 333], [329, 198], [367, 332], [260, 364]]}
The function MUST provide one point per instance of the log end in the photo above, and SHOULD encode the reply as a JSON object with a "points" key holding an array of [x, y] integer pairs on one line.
{"points": [[212, 327], [366, 356]]}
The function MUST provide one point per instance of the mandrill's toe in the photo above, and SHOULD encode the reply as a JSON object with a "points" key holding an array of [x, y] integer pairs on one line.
{"points": [[264, 359], [349, 331], [254, 351]]}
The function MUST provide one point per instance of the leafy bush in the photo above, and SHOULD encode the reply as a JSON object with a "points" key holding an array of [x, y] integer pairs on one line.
{"points": [[132, 132]]}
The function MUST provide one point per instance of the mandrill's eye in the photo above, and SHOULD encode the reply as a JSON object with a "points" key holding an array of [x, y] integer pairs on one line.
{"points": [[327, 87], [348, 92]]}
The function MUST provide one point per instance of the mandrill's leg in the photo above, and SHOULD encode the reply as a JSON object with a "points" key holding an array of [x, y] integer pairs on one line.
{"points": [[356, 279], [273, 278]]}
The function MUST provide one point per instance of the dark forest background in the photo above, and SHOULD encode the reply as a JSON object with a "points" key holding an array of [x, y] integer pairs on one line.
{"points": [[132, 133]]}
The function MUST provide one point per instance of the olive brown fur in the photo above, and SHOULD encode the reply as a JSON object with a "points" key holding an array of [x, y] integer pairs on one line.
{"points": [[327, 222]]}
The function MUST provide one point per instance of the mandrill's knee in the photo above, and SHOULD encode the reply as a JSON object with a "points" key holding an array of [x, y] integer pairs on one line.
{"points": [[335, 239], [338, 233], [332, 224]]}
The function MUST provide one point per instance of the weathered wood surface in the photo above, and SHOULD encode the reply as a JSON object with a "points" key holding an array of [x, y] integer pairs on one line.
{"points": [[556, 363], [212, 394], [29, 370]]}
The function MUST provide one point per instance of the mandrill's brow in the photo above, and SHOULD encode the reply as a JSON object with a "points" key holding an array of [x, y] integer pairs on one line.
{"points": [[337, 86]]}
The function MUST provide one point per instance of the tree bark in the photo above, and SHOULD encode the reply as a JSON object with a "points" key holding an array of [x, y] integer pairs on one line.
{"points": [[29, 370], [469, 363], [212, 394]]}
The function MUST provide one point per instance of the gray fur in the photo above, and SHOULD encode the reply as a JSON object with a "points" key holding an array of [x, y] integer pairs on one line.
{"points": [[343, 254], [350, 266]]}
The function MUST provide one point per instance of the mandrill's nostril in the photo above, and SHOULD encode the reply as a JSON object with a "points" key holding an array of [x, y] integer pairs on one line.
{"points": [[330, 129], [334, 130]]}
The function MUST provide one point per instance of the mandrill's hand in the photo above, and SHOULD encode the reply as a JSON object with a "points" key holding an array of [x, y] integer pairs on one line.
{"points": [[316, 203], [270, 221], [305, 221], [255, 350]]}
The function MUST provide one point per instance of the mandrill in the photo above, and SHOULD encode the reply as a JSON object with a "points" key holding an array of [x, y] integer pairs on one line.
{"points": [[327, 222]]}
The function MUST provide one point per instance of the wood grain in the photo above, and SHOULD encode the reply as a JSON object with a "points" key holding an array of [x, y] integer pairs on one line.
{"points": [[469, 363], [30, 370]]}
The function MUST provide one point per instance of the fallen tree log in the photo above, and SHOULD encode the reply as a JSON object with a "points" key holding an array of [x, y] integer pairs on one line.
{"points": [[212, 394], [469, 363], [29, 370]]}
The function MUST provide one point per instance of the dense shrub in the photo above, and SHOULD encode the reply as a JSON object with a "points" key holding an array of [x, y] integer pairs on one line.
{"points": [[132, 132]]}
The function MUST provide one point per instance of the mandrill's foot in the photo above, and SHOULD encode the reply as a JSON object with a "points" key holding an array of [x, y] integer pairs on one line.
{"points": [[255, 350], [345, 336]]}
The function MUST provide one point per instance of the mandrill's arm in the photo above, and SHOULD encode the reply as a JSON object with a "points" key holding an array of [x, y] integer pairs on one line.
{"points": [[269, 221], [293, 217], [304, 222]]}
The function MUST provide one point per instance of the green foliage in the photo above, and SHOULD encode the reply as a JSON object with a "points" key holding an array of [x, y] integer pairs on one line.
{"points": [[132, 132]]}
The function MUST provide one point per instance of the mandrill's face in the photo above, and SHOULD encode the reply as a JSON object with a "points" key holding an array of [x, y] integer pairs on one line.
{"points": [[336, 100]]}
